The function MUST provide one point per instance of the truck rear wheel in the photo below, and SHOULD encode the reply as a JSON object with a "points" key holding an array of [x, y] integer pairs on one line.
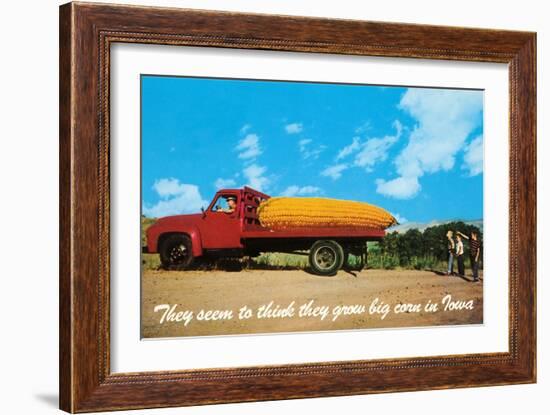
{"points": [[326, 257], [176, 252]]}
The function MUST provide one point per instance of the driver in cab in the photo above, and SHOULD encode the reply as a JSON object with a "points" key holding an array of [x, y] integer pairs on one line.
{"points": [[231, 205]]}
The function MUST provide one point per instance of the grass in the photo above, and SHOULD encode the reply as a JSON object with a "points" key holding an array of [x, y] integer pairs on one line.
{"points": [[279, 260], [382, 261], [145, 223], [148, 261]]}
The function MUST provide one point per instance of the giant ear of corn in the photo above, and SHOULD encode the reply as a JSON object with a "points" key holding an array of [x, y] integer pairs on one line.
{"points": [[311, 212]]}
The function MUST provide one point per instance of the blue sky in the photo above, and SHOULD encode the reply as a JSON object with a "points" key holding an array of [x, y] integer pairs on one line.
{"points": [[417, 152]]}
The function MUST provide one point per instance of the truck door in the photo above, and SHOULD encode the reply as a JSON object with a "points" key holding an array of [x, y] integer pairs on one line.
{"points": [[222, 228]]}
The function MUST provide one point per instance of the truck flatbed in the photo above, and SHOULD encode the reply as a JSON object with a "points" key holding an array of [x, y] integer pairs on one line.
{"points": [[317, 233]]}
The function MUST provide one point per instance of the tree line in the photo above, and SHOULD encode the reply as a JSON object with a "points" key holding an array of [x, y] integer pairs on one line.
{"points": [[418, 249]]}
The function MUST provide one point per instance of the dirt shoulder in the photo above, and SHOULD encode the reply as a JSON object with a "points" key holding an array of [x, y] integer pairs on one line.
{"points": [[225, 291]]}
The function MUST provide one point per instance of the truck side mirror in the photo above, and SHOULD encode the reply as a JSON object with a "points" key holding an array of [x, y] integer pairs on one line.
{"points": [[203, 212]]}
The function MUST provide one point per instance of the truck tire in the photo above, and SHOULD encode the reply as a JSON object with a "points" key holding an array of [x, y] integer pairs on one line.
{"points": [[176, 252], [326, 257]]}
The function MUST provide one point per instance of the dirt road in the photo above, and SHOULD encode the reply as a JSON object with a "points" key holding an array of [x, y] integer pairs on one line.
{"points": [[285, 294]]}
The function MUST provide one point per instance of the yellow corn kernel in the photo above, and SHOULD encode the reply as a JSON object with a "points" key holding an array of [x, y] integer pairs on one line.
{"points": [[296, 212]]}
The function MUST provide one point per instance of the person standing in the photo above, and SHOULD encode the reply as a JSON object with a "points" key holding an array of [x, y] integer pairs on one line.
{"points": [[460, 254], [450, 250], [475, 250]]}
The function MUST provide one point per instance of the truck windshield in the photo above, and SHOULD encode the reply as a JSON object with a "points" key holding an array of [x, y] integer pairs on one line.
{"points": [[225, 203]]}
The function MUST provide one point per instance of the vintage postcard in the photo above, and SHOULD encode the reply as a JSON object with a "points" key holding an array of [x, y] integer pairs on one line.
{"points": [[276, 206]]}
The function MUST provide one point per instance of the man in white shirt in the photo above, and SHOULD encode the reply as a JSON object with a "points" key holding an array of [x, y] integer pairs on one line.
{"points": [[460, 254]]}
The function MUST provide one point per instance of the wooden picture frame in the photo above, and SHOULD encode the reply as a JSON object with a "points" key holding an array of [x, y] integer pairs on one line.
{"points": [[86, 33]]}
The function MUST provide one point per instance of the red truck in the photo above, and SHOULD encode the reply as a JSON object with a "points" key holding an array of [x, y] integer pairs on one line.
{"points": [[215, 233]]}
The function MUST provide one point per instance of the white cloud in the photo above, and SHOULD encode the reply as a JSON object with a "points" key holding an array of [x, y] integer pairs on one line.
{"points": [[303, 143], [168, 187], [473, 156], [249, 147], [294, 128], [400, 219], [245, 128], [349, 149], [375, 150], [371, 151], [221, 183], [399, 188], [301, 191], [309, 152], [445, 119], [335, 171], [363, 128], [254, 174], [176, 198]]}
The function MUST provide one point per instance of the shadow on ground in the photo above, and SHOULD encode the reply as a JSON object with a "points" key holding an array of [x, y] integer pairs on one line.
{"points": [[50, 399], [454, 275]]}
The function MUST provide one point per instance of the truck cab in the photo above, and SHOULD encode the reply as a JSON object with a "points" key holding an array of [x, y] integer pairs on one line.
{"points": [[216, 230]]}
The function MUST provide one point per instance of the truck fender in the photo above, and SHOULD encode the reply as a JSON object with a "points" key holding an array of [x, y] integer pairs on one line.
{"points": [[196, 242]]}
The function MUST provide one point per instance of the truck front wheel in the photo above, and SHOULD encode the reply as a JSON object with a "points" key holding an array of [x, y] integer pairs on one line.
{"points": [[326, 257], [176, 252]]}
